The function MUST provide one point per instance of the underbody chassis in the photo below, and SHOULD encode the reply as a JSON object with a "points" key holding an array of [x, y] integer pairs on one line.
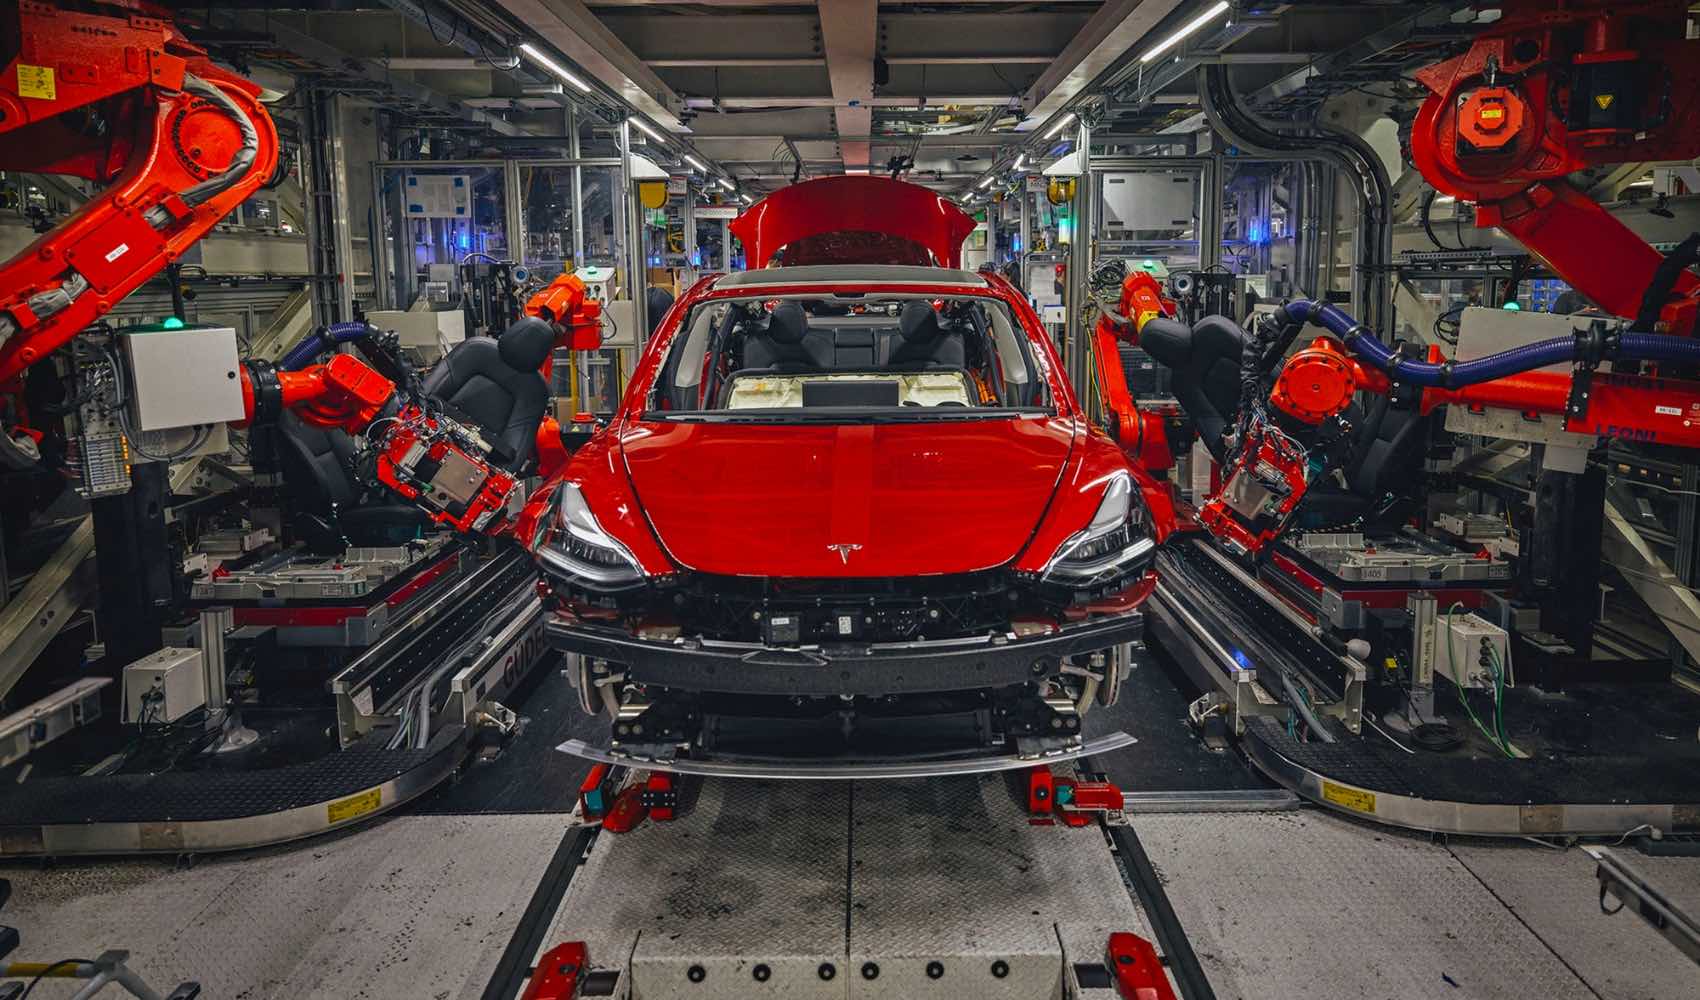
{"points": [[970, 703]]}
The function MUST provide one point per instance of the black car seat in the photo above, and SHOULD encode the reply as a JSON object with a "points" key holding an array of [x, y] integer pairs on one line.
{"points": [[495, 382], [1204, 365], [1387, 449], [783, 343], [923, 339], [326, 499]]}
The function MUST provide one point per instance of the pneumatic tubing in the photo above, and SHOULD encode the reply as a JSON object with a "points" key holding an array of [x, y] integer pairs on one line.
{"points": [[1362, 342]]}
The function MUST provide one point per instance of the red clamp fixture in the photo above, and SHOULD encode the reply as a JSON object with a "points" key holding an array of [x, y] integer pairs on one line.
{"points": [[1051, 797], [1137, 970], [557, 974]]}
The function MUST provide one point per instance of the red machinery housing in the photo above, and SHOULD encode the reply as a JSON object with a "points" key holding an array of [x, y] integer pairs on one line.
{"points": [[1553, 88], [181, 144]]}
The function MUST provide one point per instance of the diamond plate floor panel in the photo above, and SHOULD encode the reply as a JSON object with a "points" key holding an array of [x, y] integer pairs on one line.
{"points": [[951, 872], [848, 889], [753, 874], [1556, 894], [404, 908], [1309, 904]]}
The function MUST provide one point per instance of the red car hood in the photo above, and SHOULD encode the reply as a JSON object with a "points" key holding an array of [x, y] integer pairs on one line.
{"points": [[864, 500]]}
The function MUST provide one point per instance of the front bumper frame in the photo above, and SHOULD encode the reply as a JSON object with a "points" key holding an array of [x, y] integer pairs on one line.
{"points": [[845, 670]]}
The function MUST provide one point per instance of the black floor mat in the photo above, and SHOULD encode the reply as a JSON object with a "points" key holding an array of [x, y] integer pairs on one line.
{"points": [[530, 775], [1170, 756], [1599, 743]]}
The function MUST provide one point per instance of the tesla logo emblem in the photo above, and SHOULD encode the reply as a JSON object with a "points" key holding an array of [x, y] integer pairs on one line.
{"points": [[844, 549]]}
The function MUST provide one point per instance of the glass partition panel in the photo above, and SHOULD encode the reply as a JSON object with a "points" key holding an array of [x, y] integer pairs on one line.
{"points": [[436, 215]]}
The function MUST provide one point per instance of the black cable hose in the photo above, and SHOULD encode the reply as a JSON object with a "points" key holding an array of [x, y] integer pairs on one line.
{"points": [[1437, 737]]}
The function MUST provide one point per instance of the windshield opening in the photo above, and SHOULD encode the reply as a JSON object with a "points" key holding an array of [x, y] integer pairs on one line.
{"points": [[868, 353]]}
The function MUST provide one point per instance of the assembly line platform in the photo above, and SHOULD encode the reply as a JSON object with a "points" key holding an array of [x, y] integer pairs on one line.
{"points": [[1593, 759], [914, 888]]}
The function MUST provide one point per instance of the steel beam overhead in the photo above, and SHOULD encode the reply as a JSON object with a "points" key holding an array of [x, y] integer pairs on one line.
{"points": [[1118, 26], [570, 27], [303, 46], [849, 31]]}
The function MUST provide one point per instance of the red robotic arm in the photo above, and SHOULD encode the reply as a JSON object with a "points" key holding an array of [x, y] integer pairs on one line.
{"points": [[118, 97], [1553, 88], [1139, 431], [424, 456]]}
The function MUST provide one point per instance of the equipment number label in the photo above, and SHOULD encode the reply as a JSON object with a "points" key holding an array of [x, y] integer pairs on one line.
{"points": [[1348, 798], [354, 806]]}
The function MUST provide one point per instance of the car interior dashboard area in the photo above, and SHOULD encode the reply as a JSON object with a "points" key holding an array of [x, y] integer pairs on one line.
{"points": [[884, 353]]}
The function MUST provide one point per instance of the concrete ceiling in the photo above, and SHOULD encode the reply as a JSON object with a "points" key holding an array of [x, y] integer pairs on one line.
{"points": [[768, 90]]}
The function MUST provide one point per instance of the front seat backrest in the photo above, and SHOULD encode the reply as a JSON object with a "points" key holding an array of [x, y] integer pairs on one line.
{"points": [[317, 464], [923, 339], [783, 343], [1204, 360], [496, 383]]}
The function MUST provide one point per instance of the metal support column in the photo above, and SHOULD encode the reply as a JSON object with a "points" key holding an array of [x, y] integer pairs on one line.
{"points": [[340, 233], [1024, 235], [637, 264], [136, 565], [575, 152], [1210, 210], [513, 212], [690, 224], [1075, 345]]}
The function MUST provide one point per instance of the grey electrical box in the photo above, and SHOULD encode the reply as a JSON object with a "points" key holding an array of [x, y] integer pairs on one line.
{"points": [[164, 686], [182, 378]]}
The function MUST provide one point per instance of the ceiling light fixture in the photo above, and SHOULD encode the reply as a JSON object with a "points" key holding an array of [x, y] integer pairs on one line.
{"points": [[693, 161], [723, 182], [856, 171], [1215, 10], [1020, 159], [747, 199], [1056, 129], [641, 126], [986, 183], [536, 55]]}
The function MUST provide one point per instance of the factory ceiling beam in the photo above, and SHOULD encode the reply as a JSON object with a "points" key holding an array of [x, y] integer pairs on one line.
{"points": [[1117, 26], [570, 27], [849, 30], [407, 94]]}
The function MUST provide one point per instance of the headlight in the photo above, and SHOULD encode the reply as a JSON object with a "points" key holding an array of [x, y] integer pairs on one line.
{"points": [[571, 543], [1115, 544]]}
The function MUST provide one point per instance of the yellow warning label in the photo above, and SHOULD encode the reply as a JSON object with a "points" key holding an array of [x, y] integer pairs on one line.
{"points": [[1348, 798], [354, 806], [36, 81], [1493, 113], [1604, 100]]}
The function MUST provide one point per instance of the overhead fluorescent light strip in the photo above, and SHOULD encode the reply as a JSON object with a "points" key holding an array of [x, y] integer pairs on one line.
{"points": [[1216, 10], [641, 126], [1020, 159], [693, 161], [986, 183], [1056, 129], [536, 55]]}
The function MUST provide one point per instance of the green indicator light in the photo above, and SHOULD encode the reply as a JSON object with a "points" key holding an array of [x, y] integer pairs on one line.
{"points": [[171, 323], [1512, 306]]}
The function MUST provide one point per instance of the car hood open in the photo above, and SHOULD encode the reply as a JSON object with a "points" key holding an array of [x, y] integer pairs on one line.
{"points": [[846, 500]]}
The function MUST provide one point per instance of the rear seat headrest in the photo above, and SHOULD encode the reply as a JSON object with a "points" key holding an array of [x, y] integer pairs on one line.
{"points": [[918, 321], [788, 324]]}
